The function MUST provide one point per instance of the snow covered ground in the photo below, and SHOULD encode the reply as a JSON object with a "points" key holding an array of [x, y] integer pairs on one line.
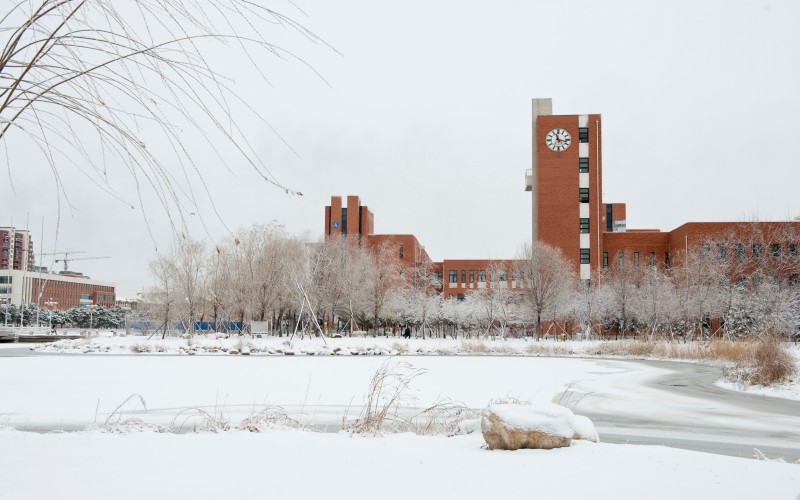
{"points": [[47, 392]]}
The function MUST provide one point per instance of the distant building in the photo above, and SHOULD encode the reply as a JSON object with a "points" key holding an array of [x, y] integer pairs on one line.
{"points": [[16, 249], [22, 282]]}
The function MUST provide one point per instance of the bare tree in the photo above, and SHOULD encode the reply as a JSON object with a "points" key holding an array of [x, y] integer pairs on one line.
{"points": [[546, 278], [161, 297], [190, 279], [78, 77]]}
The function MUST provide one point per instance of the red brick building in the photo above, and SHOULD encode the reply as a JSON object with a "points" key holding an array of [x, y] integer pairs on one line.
{"points": [[565, 181], [568, 212]]}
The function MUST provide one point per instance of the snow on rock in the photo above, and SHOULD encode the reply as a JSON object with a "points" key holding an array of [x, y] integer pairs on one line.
{"points": [[584, 429], [539, 426], [469, 426]]}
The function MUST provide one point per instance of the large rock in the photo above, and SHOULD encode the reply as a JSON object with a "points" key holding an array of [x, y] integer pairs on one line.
{"points": [[539, 426]]}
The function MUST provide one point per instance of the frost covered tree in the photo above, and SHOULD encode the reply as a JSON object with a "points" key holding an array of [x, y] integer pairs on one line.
{"points": [[546, 279]]}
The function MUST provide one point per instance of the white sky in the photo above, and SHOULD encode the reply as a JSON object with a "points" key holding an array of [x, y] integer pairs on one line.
{"points": [[427, 118]]}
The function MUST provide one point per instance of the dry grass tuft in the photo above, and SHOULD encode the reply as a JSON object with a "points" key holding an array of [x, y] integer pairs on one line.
{"points": [[760, 361], [116, 423], [387, 392]]}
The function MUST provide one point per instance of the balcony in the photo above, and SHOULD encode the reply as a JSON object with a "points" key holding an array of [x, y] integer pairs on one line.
{"points": [[529, 180]]}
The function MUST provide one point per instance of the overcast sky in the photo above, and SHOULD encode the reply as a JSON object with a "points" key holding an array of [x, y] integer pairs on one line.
{"points": [[426, 115]]}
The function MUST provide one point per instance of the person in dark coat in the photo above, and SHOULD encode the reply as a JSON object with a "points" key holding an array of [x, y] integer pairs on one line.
{"points": [[407, 333]]}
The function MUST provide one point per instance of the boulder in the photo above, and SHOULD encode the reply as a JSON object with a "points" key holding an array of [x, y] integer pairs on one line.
{"points": [[536, 426]]}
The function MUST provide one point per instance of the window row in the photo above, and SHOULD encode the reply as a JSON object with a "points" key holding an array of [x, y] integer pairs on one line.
{"points": [[740, 251], [651, 259]]}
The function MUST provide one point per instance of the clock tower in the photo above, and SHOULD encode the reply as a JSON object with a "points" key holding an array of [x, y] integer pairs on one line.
{"points": [[565, 181]]}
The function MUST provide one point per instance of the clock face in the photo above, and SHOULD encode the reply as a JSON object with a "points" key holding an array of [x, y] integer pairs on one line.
{"points": [[558, 139]]}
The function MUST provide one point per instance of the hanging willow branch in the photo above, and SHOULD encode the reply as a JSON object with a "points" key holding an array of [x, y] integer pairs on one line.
{"points": [[86, 81]]}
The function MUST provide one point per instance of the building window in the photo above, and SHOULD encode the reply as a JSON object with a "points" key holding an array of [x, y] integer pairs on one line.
{"points": [[584, 225], [605, 261], [793, 249], [739, 251], [609, 218], [583, 134], [401, 251], [344, 221], [584, 255], [453, 277], [481, 276], [583, 165], [583, 195], [472, 276], [463, 277], [502, 276], [722, 251], [704, 250], [775, 249], [666, 259], [652, 259], [620, 259], [636, 260], [460, 296], [438, 277], [757, 251]]}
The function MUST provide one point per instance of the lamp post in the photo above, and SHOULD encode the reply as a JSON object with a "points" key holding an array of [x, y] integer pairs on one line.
{"points": [[91, 307], [126, 310], [50, 305]]}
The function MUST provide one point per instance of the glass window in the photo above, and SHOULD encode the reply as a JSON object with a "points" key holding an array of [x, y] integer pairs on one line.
{"points": [[453, 276], [481, 276], [722, 251], [636, 260], [775, 249], [502, 276], [401, 251], [704, 250], [739, 251], [460, 296], [584, 256], [584, 225], [583, 134], [583, 195], [605, 261], [620, 259], [583, 165], [793, 249], [756, 250], [472, 276], [463, 276]]}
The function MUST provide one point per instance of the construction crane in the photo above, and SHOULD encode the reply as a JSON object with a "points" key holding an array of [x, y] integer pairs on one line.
{"points": [[67, 257], [65, 254], [66, 260]]}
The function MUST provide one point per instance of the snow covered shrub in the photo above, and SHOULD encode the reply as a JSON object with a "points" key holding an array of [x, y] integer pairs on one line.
{"points": [[203, 420], [269, 417], [140, 348]]}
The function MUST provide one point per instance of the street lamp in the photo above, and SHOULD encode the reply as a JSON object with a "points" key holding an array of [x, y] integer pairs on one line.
{"points": [[50, 305], [126, 310], [91, 307], [5, 310]]}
